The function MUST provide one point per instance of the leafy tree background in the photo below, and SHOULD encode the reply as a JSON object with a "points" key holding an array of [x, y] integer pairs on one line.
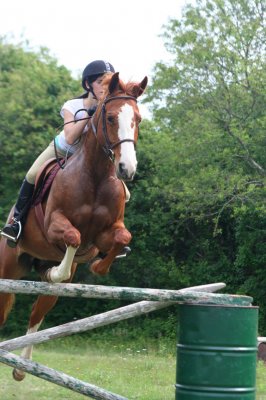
{"points": [[197, 212]]}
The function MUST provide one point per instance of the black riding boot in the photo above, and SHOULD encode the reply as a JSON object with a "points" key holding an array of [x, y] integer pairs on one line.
{"points": [[13, 230]]}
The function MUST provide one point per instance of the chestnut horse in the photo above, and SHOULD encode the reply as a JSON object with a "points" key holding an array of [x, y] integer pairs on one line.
{"points": [[84, 212]]}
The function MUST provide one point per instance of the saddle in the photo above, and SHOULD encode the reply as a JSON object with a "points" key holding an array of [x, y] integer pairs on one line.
{"points": [[43, 185]]}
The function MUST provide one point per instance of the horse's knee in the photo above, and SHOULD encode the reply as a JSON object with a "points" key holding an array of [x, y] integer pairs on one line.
{"points": [[72, 238], [122, 236]]}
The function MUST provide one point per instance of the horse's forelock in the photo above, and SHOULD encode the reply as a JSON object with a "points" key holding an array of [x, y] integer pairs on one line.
{"points": [[130, 86], [127, 88]]}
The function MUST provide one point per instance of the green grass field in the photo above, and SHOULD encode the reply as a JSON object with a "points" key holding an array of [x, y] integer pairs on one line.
{"points": [[133, 371]]}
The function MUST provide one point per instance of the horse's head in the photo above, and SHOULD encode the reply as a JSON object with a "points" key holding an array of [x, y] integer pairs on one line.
{"points": [[118, 119]]}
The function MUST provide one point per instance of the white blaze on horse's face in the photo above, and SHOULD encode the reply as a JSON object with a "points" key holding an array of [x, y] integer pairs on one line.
{"points": [[127, 163]]}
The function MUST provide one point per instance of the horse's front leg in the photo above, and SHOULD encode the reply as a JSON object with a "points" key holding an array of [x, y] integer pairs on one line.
{"points": [[61, 272], [115, 239], [60, 229]]}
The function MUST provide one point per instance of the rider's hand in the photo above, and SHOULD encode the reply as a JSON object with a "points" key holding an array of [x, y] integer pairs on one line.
{"points": [[90, 102]]}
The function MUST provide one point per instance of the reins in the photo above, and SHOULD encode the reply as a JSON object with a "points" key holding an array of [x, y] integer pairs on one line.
{"points": [[108, 146], [63, 164]]}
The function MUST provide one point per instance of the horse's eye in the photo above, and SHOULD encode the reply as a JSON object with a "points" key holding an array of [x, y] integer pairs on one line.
{"points": [[110, 119]]}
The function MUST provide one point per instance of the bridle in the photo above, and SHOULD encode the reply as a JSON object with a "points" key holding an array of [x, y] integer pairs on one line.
{"points": [[108, 146]]}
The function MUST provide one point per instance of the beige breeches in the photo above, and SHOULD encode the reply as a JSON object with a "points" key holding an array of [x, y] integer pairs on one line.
{"points": [[43, 157]]}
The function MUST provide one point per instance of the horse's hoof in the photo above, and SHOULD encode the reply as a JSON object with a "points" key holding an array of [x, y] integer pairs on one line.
{"points": [[18, 375], [96, 270]]}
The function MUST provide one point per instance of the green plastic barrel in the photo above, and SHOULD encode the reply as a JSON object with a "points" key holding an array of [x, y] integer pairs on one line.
{"points": [[216, 352]]}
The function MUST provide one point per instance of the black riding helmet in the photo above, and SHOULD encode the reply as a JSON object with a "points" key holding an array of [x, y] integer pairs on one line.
{"points": [[95, 69]]}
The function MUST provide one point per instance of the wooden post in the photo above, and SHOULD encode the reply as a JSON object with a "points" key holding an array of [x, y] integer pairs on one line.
{"points": [[59, 378]]}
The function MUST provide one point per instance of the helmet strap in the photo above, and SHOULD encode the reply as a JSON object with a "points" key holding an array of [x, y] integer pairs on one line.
{"points": [[91, 90]]}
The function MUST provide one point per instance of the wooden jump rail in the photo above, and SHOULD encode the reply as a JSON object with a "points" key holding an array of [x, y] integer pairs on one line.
{"points": [[197, 294], [151, 300], [59, 378]]}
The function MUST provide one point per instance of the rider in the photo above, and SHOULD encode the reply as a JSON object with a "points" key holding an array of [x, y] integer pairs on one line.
{"points": [[74, 112]]}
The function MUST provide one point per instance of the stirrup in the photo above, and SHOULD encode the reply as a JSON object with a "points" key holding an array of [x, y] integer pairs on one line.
{"points": [[124, 253], [8, 236]]}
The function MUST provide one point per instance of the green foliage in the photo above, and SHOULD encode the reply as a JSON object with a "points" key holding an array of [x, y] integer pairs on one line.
{"points": [[33, 89], [206, 190], [197, 212]]}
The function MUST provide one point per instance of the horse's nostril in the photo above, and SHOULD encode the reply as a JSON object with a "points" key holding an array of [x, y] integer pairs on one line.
{"points": [[121, 168]]}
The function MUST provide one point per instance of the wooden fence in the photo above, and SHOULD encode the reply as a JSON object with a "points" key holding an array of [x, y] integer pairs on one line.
{"points": [[150, 300]]}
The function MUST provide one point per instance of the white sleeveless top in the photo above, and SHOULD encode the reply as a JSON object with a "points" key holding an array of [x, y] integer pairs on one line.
{"points": [[72, 106]]}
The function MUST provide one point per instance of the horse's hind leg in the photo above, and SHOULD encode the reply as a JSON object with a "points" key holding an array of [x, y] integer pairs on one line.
{"points": [[7, 265], [40, 308], [11, 267], [6, 303]]}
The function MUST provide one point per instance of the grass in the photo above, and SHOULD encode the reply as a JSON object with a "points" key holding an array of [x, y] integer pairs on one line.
{"points": [[261, 381], [138, 373], [131, 370]]}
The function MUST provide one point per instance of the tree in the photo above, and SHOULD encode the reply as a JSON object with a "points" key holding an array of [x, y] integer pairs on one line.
{"points": [[33, 88], [210, 103]]}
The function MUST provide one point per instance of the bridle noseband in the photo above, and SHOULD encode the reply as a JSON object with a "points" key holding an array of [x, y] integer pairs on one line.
{"points": [[108, 146]]}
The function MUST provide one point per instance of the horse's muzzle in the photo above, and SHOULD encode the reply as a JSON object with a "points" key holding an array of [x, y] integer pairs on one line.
{"points": [[124, 173]]}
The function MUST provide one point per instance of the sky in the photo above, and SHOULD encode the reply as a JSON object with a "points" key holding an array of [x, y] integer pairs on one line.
{"points": [[125, 33]]}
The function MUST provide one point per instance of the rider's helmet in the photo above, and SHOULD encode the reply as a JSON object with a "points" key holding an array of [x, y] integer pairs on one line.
{"points": [[95, 69]]}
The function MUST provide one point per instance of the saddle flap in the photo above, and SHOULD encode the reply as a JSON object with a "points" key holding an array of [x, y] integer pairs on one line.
{"points": [[44, 180], [43, 183]]}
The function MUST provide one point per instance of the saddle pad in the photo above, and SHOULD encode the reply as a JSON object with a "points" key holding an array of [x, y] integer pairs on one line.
{"points": [[43, 184]]}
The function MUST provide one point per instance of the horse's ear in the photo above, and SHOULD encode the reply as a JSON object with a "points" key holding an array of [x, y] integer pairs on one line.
{"points": [[139, 89], [114, 82], [143, 85]]}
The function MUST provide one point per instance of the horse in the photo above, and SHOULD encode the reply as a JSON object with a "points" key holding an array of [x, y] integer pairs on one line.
{"points": [[84, 210]]}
